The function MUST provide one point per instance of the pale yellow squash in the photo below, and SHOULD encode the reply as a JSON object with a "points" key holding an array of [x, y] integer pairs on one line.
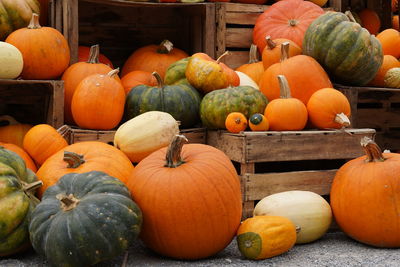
{"points": [[11, 61], [245, 80]]}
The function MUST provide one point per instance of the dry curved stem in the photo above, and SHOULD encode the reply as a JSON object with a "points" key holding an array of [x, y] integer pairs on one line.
{"points": [[73, 159], [253, 54], [32, 186], [284, 87], [94, 54], [165, 47], [63, 130], [270, 43], [34, 22], [113, 72], [222, 56], [160, 85], [350, 16], [67, 202], [173, 157], [284, 51], [372, 150], [342, 119]]}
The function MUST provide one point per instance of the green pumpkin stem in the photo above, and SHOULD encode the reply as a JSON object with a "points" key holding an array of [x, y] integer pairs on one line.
{"points": [[113, 72], [222, 56], [34, 23], [73, 159], [284, 87], [160, 85], [173, 156], [350, 16], [67, 202], [94, 54], [32, 186], [270, 43], [165, 47], [253, 54], [284, 51], [373, 151], [342, 119]]}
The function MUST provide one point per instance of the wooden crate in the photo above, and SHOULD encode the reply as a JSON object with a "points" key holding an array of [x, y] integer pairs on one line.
{"points": [[271, 162], [121, 26], [74, 135], [33, 101], [377, 108]]}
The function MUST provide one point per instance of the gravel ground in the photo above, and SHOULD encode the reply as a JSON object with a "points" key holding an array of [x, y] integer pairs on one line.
{"points": [[334, 249]]}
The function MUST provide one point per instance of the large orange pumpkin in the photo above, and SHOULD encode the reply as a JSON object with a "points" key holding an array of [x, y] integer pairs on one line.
{"points": [[153, 58], [365, 197], [22, 153], [84, 157], [304, 74], [190, 199], [76, 73], [11, 131], [272, 51], [390, 41], [45, 51], [285, 19], [84, 54], [254, 68], [389, 62], [98, 102]]}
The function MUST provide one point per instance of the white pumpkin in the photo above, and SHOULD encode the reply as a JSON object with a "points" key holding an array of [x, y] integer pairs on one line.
{"points": [[145, 133], [308, 210], [11, 61], [245, 80]]}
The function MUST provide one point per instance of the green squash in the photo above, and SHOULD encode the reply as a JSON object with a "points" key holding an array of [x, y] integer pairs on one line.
{"points": [[348, 52], [17, 201], [216, 105], [84, 219], [181, 101], [16, 14], [175, 73]]}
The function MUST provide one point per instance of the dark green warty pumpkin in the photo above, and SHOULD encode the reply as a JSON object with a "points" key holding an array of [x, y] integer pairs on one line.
{"points": [[216, 105], [17, 201], [180, 100], [176, 72], [84, 219], [348, 52]]}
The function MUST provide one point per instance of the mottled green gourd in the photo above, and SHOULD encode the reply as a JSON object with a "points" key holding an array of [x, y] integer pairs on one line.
{"points": [[176, 72], [84, 219], [216, 105], [17, 201], [348, 52], [182, 101]]}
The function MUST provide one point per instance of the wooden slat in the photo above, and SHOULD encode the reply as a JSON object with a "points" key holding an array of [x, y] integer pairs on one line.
{"points": [[239, 37], [243, 8], [241, 18], [236, 58], [258, 186], [209, 31], [195, 135], [378, 118]]}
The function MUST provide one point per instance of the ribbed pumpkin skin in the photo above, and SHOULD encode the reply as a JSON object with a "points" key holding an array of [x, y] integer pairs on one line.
{"points": [[16, 14], [346, 51], [181, 101], [216, 105], [15, 204], [101, 226], [191, 211]]}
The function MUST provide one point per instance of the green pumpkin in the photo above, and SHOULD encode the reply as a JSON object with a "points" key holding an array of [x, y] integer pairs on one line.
{"points": [[17, 201], [175, 73], [181, 101], [348, 52], [84, 219], [16, 14], [216, 105]]}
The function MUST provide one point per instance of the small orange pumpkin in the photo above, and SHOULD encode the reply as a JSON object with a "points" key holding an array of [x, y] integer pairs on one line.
{"points": [[254, 68], [390, 41], [272, 51], [22, 153], [389, 62], [137, 77], [236, 122], [370, 20], [12, 131], [286, 113]]}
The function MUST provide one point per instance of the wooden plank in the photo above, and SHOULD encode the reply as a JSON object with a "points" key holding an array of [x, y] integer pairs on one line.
{"points": [[141, 3], [209, 31], [238, 37], [236, 58], [243, 8], [55, 114], [220, 13], [195, 135], [241, 18], [232, 145], [258, 186], [378, 118]]}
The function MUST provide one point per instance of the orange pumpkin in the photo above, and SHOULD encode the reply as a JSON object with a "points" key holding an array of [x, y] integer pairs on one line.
{"points": [[76, 73], [285, 19], [190, 200], [84, 157], [272, 51], [42, 141], [370, 20], [304, 74], [390, 41], [152, 58], [395, 22], [98, 102], [137, 77], [236, 122], [45, 51], [11, 131], [254, 68], [365, 197], [389, 62], [84, 56], [22, 153], [329, 108]]}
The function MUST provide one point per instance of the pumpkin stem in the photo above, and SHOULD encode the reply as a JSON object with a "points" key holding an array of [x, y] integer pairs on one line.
{"points": [[67, 202], [253, 54], [165, 47], [9, 120], [221, 56], [63, 130], [350, 16], [284, 51], [298, 229], [270, 43], [94, 54], [34, 23], [113, 72], [373, 151], [293, 22], [342, 119], [32, 186], [73, 159], [173, 156], [284, 87], [160, 85]]}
